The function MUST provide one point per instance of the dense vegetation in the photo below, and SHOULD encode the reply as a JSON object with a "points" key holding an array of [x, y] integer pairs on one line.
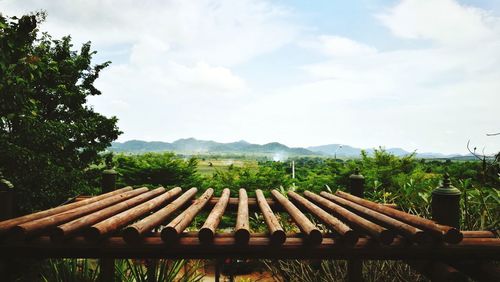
{"points": [[406, 181], [48, 135]]}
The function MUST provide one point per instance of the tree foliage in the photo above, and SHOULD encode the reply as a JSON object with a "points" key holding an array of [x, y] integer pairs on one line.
{"points": [[48, 134]]}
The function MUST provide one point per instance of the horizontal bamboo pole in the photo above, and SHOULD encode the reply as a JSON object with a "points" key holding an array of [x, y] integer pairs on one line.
{"points": [[171, 232], [134, 233], [293, 248], [207, 231], [382, 234], [242, 228], [34, 227], [314, 236], [447, 233], [277, 235], [70, 228], [478, 234], [348, 235], [412, 233], [104, 228], [8, 224]]}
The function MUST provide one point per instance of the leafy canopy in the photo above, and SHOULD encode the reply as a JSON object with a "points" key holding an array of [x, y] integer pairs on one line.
{"points": [[48, 134]]}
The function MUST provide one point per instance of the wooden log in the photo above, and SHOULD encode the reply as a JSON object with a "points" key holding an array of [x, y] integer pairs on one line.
{"points": [[242, 228], [207, 231], [447, 233], [28, 229], [8, 224], [171, 232], [348, 235], [478, 234], [134, 233], [382, 234], [104, 228], [277, 234], [68, 229], [293, 248], [412, 233], [314, 236]]}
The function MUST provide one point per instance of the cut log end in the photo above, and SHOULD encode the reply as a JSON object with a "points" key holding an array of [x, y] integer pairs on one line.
{"points": [[169, 235], [206, 235], [57, 235], [453, 236], [350, 237], [131, 235], [386, 237], [423, 238], [242, 236], [92, 235], [315, 237], [278, 237], [17, 233]]}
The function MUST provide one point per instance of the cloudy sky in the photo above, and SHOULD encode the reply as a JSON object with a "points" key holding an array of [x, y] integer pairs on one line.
{"points": [[418, 74]]}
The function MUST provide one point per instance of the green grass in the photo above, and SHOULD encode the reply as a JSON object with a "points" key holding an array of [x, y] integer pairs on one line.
{"points": [[207, 166]]}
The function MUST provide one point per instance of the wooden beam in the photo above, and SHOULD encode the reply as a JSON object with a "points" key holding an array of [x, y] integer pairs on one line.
{"points": [[382, 234], [412, 233], [313, 234], [293, 248], [277, 235], [102, 229], [207, 231], [447, 233], [70, 228], [347, 234], [8, 224], [134, 233], [170, 233], [242, 228]]}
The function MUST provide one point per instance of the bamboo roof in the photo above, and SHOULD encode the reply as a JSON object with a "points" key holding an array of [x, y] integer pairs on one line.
{"points": [[156, 223]]}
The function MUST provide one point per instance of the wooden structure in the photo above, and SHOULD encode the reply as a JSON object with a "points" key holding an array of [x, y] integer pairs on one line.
{"points": [[143, 223]]}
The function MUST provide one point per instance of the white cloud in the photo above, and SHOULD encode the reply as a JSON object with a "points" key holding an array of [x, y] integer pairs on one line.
{"points": [[443, 21], [338, 46], [181, 69]]}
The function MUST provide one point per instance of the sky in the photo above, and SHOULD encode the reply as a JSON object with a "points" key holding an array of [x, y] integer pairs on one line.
{"points": [[416, 74]]}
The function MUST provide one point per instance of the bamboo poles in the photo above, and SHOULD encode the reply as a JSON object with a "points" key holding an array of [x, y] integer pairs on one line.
{"points": [[348, 235], [30, 228], [242, 228], [70, 228], [479, 234], [313, 234], [414, 234], [382, 234], [103, 228], [8, 224], [447, 233], [171, 232], [207, 231], [134, 233], [278, 236]]}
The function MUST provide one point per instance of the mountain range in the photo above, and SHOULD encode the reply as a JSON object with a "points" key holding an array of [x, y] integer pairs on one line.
{"points": [[195, 146]]}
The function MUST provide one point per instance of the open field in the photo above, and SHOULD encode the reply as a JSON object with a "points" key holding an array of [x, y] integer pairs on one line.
{"points": [[207, 166]]}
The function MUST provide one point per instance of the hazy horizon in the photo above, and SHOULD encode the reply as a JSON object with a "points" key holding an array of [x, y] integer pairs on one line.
{"points": [[306, 147], [413, 74]]}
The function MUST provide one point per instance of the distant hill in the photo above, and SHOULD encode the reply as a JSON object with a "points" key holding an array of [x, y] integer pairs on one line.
{"points": [[195, 146]]}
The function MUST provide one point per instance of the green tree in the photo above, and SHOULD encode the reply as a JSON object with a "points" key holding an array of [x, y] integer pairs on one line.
{"points": [[49, 136]]}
